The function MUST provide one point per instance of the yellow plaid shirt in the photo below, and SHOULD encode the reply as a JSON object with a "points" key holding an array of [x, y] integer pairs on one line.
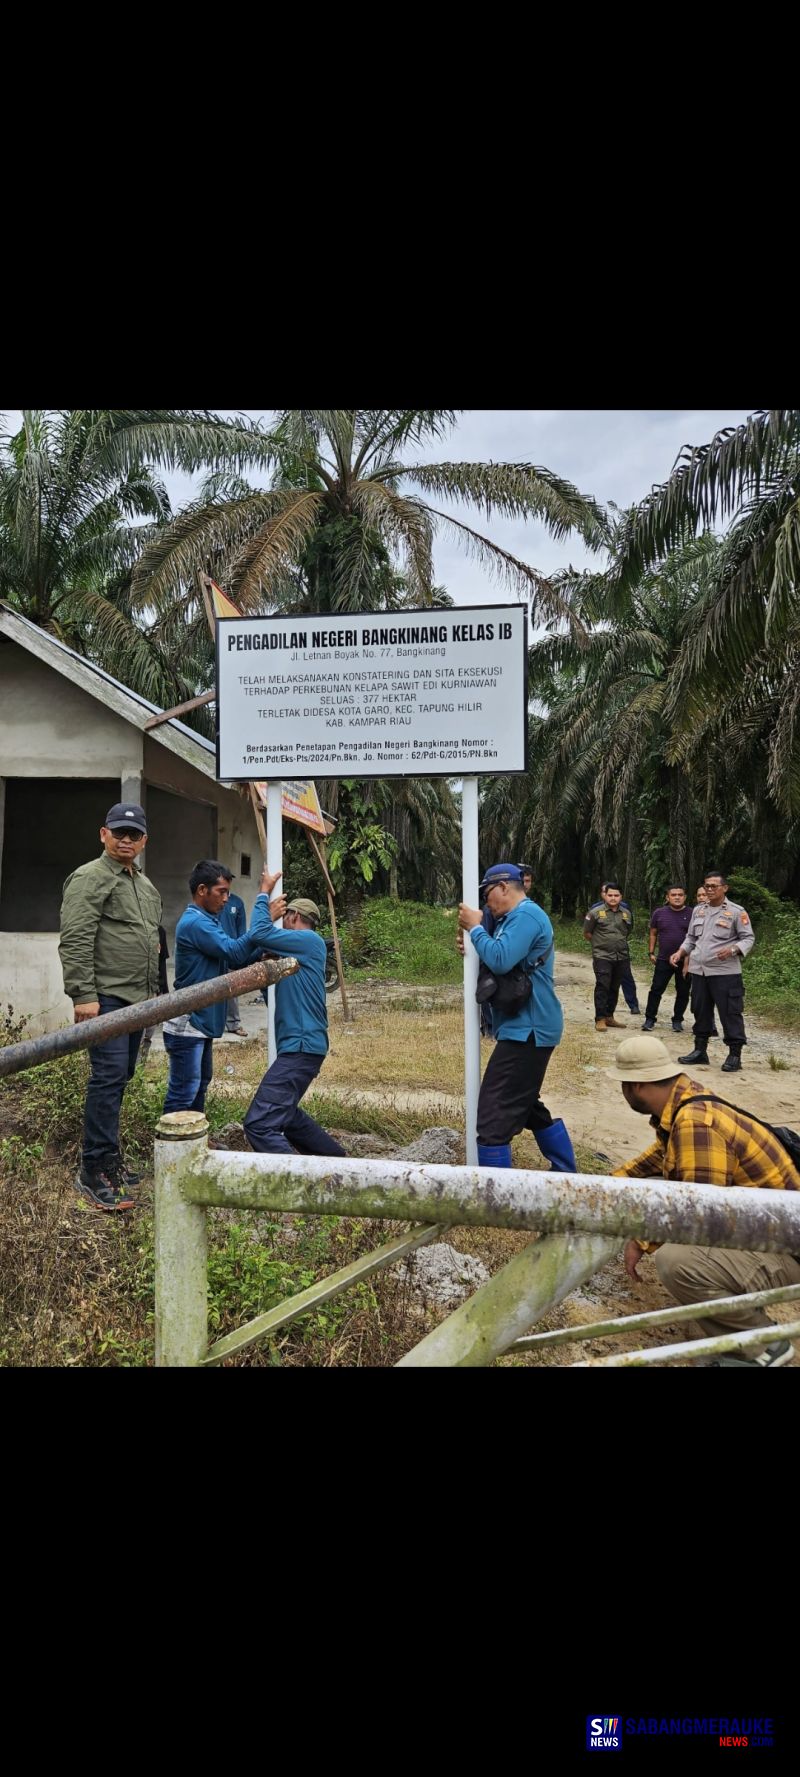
{"points": [[709, 1144]]}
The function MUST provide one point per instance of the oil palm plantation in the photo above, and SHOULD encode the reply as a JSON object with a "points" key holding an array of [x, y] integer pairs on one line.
{"points": [[80, 498], [740, 670], [611, 779]]}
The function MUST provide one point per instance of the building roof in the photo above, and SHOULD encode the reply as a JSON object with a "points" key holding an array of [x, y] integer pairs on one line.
{"points": [[174, 735]]}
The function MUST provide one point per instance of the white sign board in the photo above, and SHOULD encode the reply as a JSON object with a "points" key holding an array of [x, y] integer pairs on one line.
{"points": [[432, 693]]}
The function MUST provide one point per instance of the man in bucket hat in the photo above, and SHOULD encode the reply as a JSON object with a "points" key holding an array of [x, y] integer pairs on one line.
{"points": [[706, 1143], [274, 1123], [509, 1098]]}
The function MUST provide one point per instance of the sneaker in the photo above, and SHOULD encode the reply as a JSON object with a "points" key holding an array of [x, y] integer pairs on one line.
{"points": [[101, 1190], [773, 1356], [650, 1024], [635, 1011]]}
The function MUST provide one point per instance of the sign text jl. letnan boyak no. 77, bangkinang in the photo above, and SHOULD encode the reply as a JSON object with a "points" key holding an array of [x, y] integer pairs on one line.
{"points": [[431, 693]]}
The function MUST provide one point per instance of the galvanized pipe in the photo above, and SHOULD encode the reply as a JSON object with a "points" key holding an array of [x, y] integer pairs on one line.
{"points": [[143, 1012], [658, 1317], [753, 1339], [480, 1196], [472, 1024]]}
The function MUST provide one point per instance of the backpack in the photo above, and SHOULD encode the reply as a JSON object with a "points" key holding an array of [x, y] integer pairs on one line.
{"points": [[510, 992], [788, 1138]]}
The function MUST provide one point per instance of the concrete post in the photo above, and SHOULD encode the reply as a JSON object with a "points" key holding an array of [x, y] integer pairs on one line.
{"points": [[181, 1244]]}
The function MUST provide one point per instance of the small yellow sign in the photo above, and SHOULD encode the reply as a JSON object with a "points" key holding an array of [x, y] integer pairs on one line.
{"points": [[299, 802]]}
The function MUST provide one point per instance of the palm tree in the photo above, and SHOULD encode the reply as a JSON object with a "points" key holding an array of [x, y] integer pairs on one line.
{"points": [[345, 511], [79, 499]]}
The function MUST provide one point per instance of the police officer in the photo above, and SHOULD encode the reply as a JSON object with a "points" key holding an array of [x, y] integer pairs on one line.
{"points": [[607, 927], [719, 935]]}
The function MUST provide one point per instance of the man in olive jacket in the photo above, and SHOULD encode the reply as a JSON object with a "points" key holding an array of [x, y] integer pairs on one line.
{"points": [[607, 929], [110, 917]]}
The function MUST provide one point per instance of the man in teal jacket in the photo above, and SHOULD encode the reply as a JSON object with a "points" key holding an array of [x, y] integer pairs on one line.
{"points": [[509, 1098], [274, 1124], [202, 951]]}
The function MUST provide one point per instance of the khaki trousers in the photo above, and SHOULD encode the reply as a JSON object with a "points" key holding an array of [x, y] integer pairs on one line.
{"points": [[701, 1273]]}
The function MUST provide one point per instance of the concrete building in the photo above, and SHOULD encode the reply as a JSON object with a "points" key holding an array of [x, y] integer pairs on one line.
{"points": [[72, 742]]}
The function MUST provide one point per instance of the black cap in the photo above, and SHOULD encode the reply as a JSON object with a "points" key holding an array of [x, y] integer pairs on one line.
{"points": [[126, 814]]}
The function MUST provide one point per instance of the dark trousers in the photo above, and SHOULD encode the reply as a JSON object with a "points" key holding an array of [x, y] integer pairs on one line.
{"points": [[630, 992], [607, 982], [111, 1066], [273, 1124], [509, 1097], [191, 1065], [661, 978], [726, 992]]}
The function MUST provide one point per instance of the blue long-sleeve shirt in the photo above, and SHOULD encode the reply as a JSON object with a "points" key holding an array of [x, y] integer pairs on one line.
{"points": [[233, 918], [301, 1012], [522, 936], [203, 950]]}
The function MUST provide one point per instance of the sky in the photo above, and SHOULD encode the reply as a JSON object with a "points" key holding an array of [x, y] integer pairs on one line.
{"points": [[614, 454]]}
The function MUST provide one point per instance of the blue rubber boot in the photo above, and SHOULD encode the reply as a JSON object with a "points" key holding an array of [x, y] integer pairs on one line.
{"points": [[494, 1156], [557, 1148]]}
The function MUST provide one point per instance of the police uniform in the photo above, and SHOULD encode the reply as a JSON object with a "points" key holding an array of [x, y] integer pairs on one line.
{"points": [[609, 929], [717, 981]]}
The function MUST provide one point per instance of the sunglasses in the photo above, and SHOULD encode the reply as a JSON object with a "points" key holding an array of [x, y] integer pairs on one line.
{"points": [[127, 833]]}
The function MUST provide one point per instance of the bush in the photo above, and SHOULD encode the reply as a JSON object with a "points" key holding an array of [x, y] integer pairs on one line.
{"points": [[744, 888]]}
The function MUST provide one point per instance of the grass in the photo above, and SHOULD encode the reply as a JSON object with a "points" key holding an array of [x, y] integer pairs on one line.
{"points": [[402, 941]]}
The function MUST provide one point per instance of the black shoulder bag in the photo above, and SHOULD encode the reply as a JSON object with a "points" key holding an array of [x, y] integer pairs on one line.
{"points": [[510, 992]]}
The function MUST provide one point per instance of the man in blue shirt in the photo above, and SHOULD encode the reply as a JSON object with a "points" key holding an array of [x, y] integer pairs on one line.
{"points": [[509, 1098], [274, 1124], [233, 920], [202, 951]]}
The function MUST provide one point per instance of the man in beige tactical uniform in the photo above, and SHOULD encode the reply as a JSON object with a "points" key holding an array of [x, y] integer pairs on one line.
{"points": [[606, 928], [719, 935]]}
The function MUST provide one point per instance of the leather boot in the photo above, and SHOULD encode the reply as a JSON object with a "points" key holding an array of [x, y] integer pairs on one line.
{"points": [[698, 1057]]}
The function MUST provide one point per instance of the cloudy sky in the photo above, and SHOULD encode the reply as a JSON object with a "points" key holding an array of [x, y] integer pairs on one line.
{"points": [[614, 454]]}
